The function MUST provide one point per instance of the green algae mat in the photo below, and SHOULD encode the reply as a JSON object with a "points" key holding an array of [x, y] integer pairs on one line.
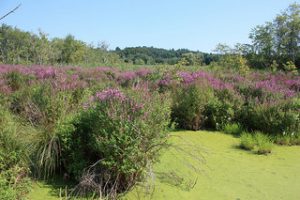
{"points": [[209, 165]]}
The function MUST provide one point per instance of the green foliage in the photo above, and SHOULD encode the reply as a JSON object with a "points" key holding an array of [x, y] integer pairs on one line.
{"points": [[191, 59], [257, 141], [189, 105], [247, 141], [277, 40], [263, 142], [50, 112], [13, 183], [15, 80], [151, 55], [14, 158], [290, 67], [20, 47], [219, 112], [232, 58], [274, 66], [276, 119], [288, 139], [233, 129], [117, 139]]}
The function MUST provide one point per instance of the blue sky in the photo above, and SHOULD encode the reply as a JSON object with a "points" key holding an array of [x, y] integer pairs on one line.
{"points": [[193, 24]]}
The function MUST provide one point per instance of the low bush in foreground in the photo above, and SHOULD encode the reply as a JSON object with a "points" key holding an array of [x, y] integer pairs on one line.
{"points": [[258, 142], [14, 161], [272, 117], [287, 139], [263, 142], [117, 137], [189, 105], [247, 141]]}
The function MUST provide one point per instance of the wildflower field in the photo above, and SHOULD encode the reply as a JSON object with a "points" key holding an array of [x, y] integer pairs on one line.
{"points": [[103, 128]]}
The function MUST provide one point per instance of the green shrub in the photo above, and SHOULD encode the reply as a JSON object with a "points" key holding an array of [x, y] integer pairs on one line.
{"points": [[14, 157], [287, 139], [14, 183], [222, 108], [189, 105], [257, 141], [51, 113], [117, 136], [290, 67], [217, 114], [233, 129], [263, 142], [272, 118], [15, 80], [247, 141]]}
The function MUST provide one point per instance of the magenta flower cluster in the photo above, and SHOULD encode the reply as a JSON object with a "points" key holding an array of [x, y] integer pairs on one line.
{"points": [[72, 78], [126, 76], [216, 83], [110, 94]]}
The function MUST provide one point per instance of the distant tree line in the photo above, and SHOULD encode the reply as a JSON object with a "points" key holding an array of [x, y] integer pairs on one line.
{"points": [[151, 55], [20, 47]]}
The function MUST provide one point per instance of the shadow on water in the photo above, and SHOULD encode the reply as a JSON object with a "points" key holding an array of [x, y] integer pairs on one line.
{"points": [[174, 179], [62, 189]]}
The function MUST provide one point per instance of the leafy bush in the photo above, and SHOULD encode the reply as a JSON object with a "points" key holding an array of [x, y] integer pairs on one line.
{"points": [[16, 80], [189, 105], [247, 141], [217, 114], [290, 67], [50, 112], [273, 118], [222, 108], [13, 183], [117, 136], [233, 129], [287, 139]]}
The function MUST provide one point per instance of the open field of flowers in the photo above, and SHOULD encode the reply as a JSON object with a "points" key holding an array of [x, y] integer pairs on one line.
{"points": [[103, 127]]}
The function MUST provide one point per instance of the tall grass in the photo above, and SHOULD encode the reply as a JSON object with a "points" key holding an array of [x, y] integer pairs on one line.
{"points": [[257, 141], [15, 151]]}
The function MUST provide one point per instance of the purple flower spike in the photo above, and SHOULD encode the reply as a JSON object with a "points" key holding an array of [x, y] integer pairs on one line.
{"points": [[110, 94]]}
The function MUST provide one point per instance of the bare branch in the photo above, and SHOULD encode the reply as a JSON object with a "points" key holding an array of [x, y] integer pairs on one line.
{"points": [[13, 10]]}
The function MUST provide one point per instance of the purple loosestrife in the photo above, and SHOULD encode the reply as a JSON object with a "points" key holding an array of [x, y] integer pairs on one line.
{"points": [[110, 94], [143, 72], [293, 84], [45, 72], [275, 84], [166, 81], [215, 83], [127, 76], [186, 77]]}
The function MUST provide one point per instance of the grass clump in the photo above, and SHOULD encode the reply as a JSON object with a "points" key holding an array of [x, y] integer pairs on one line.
{"points": [[14, 157], [247, 141], [263, 142], [258, 142], [288, 139], [233, 129]]}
